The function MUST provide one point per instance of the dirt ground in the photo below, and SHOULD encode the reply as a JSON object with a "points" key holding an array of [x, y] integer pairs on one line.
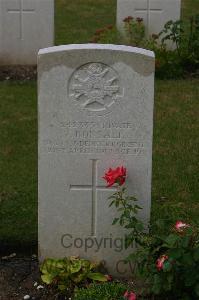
{"points": [[20, 277], [18, 73]]}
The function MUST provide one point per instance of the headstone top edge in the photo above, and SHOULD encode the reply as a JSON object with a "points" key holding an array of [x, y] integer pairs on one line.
{"points": [[92, 46]]}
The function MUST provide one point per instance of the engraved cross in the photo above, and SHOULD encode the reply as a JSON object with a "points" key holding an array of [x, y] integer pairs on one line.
{"points": [[148, 11], [21, 11], [94, 188]]}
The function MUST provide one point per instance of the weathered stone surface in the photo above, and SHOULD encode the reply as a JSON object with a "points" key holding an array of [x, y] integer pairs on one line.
{"points": [[155, 13], [95, 112], [25, 27]]}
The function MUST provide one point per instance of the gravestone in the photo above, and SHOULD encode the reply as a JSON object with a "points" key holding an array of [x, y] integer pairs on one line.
{"points": [[95, 112], [25, 27], [155, 13]]}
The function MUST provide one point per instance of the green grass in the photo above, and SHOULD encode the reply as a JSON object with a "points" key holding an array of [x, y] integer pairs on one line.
{"points": [[176, 127], [189, 8], [18, 161], [77, 20], [175, 155], [175, 151]]}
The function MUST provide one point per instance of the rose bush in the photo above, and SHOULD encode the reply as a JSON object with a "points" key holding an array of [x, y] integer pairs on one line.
{"points": [[126, 206], [178, 62], [167, 263]]}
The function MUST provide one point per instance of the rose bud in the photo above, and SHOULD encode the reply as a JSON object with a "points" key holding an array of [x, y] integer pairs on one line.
{"points": [[160, 262]]}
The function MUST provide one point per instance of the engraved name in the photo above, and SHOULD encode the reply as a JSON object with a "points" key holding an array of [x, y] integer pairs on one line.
{"points": [[95, 137]]}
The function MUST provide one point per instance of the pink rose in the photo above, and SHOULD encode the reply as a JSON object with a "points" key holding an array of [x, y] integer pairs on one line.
{"points": [[160, 262], [129, 295], [180, 226], [117, 175]]}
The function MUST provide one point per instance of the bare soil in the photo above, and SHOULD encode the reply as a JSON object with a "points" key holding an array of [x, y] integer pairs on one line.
{"points": [[18, 73], [20, 276]]}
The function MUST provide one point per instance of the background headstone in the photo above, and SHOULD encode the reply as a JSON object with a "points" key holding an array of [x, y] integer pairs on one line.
{"points": [[25, 27], [155, 13], [95, 112]]}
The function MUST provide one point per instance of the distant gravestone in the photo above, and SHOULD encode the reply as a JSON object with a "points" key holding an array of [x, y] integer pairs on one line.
{"points": [[25, 27], [155, 13], [95, 112]]}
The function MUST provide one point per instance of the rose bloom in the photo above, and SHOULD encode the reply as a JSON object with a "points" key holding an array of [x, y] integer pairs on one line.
{"points": [[128, 19], [160, 262], [180, 226], [117, 175], [129, 295], [139, 20]]}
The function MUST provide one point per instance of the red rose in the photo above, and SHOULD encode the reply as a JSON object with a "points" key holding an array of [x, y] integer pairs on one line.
{"points": [[127, 19], [180, 226], [117, 175], [139, 20], [130, 18], [160, 262], [129, 295]]}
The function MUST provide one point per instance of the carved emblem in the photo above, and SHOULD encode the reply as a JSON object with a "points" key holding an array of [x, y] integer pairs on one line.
{"points": [[95, 87]]}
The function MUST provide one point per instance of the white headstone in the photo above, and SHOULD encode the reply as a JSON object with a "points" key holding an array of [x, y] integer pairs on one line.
{"points": [[25, 27], [95, 112], [155, 13]]}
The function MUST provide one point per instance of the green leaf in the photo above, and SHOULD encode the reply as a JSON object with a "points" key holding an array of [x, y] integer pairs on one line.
{"points": [[185, 241], [117, 203], [62, 287], [167, 266], [75, 266], [111, 203], [138, 207], [190, 278], [79, 277], [121, 222], [115, 221], [196, 254], [176, 253], [170, 278], [127, 213], [156, 284], [197, 289], [139, 226], [97, 277], [172, 240], [187, 259], [47, 278]]}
